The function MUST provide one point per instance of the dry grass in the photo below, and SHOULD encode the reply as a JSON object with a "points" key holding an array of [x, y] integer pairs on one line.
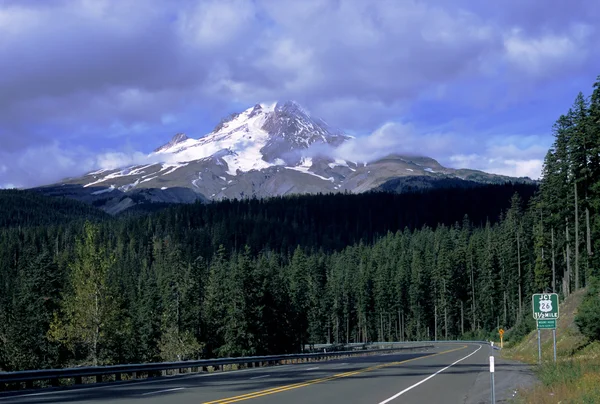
{"points": [[574, 381], [575, 378]]}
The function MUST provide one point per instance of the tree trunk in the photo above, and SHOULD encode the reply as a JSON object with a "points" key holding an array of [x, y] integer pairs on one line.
{"points": [[472, 296], [519, 267], [568, 275], [505, 308], [348, 329], [403, 327], [588, 232], [96, 335], [462, 318], [553, 265], [446, 322], [435, 322], [576, 239], [542, 231]]}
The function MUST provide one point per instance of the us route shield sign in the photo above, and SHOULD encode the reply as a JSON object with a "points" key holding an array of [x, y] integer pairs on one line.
{"points": [[545, 306]]}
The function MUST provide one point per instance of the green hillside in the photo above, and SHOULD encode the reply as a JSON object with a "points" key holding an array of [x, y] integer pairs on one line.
{"points": [[576, 376]]}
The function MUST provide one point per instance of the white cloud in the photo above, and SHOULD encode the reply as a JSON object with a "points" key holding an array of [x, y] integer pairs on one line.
{"points": [[215, 23], [51, 163], [502, 165], [544, 54], [41, 165], [510, 156], [401, 138], [112, 160]]}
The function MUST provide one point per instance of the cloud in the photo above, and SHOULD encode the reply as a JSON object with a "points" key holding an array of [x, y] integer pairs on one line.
{"points": [[40, 165], [544, 55], [52, 163], [507, 155], [488, 162], [108, 74]]}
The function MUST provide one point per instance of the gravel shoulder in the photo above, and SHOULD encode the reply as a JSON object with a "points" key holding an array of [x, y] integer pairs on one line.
{"points": [[510, 376]]}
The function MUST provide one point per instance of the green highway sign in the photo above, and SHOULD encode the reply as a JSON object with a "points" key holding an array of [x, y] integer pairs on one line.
{"points": [[547, 324], [545, 306]]}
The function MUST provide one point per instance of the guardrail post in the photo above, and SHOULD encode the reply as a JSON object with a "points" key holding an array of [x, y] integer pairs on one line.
{"points": [[55, 382], [98, 378], [118, 377], [29, 384], [78, 380], [134, 375]]}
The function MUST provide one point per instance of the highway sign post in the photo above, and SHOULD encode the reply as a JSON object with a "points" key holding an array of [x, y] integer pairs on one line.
{"points": [[546, 313], [501, 332]]}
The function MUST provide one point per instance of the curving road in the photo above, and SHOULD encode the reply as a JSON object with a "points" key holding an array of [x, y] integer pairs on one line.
{"points": [[446, 373]]}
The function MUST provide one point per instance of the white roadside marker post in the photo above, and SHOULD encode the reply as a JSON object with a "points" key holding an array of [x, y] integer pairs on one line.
{"points": [[539, 347], [492, 379]]}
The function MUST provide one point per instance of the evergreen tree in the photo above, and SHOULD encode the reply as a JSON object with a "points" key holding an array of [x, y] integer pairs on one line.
{"points": [[89, 304]]}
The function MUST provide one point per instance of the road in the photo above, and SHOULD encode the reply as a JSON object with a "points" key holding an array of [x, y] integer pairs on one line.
{"points": [[446, 373]]}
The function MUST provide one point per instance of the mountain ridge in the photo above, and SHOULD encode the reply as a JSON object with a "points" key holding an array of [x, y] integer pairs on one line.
{"points": [[265, 150]]}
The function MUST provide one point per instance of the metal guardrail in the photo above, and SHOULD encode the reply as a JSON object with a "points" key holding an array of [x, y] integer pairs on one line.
{"points": [[154, 369], [366, 345]]}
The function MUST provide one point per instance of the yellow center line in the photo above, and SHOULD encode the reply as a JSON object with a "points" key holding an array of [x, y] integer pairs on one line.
{"points": [[280, 389]]}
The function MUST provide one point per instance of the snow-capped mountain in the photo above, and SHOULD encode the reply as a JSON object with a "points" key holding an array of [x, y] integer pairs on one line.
{"points": [[263, 151]]}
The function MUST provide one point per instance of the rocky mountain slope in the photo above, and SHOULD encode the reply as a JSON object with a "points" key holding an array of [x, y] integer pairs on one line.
{"points": [[263, 151]]}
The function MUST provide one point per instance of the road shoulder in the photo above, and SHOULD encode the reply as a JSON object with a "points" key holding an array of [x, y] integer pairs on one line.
{"points": [[510, 376]]}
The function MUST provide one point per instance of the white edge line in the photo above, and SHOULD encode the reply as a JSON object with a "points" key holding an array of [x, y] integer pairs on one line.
{"points": [[163, 391], [313, 368], [259, 377], [429, 377]]}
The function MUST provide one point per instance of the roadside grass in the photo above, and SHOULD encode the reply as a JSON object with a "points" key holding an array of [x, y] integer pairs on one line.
{"points": [[575, 377]]}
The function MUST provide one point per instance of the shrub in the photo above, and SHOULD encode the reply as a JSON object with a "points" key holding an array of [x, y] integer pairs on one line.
{"points": [[588, 314], [521, 329]]}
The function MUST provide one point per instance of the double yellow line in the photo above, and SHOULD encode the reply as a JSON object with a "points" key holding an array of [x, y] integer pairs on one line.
{"points": [[281, 389]]}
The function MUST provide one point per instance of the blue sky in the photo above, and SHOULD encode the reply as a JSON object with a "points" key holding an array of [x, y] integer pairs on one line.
{"points": [[86, 84]]}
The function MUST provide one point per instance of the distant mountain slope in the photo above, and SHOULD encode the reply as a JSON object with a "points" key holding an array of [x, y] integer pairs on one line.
{"points": [[266, 150], [26, 208]]}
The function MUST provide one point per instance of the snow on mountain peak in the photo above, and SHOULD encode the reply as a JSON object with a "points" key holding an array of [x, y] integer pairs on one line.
{"points": [[178, 138], [259, 137]]}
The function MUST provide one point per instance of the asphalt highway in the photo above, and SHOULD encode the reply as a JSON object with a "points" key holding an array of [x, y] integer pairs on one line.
{"points": [[446, 373]]}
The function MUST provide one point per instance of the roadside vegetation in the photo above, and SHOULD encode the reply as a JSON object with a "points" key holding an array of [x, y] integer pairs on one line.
{"points": [[575, 378]]}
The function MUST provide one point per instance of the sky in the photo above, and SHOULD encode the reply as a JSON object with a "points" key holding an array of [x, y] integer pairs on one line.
{"points": [[87, 84]]}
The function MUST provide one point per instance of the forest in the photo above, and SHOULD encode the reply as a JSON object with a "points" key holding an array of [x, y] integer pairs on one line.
{"points": [[251, 277]]}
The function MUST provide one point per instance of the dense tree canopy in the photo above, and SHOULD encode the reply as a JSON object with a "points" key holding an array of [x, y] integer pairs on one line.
{"points": [[269, 276]]}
